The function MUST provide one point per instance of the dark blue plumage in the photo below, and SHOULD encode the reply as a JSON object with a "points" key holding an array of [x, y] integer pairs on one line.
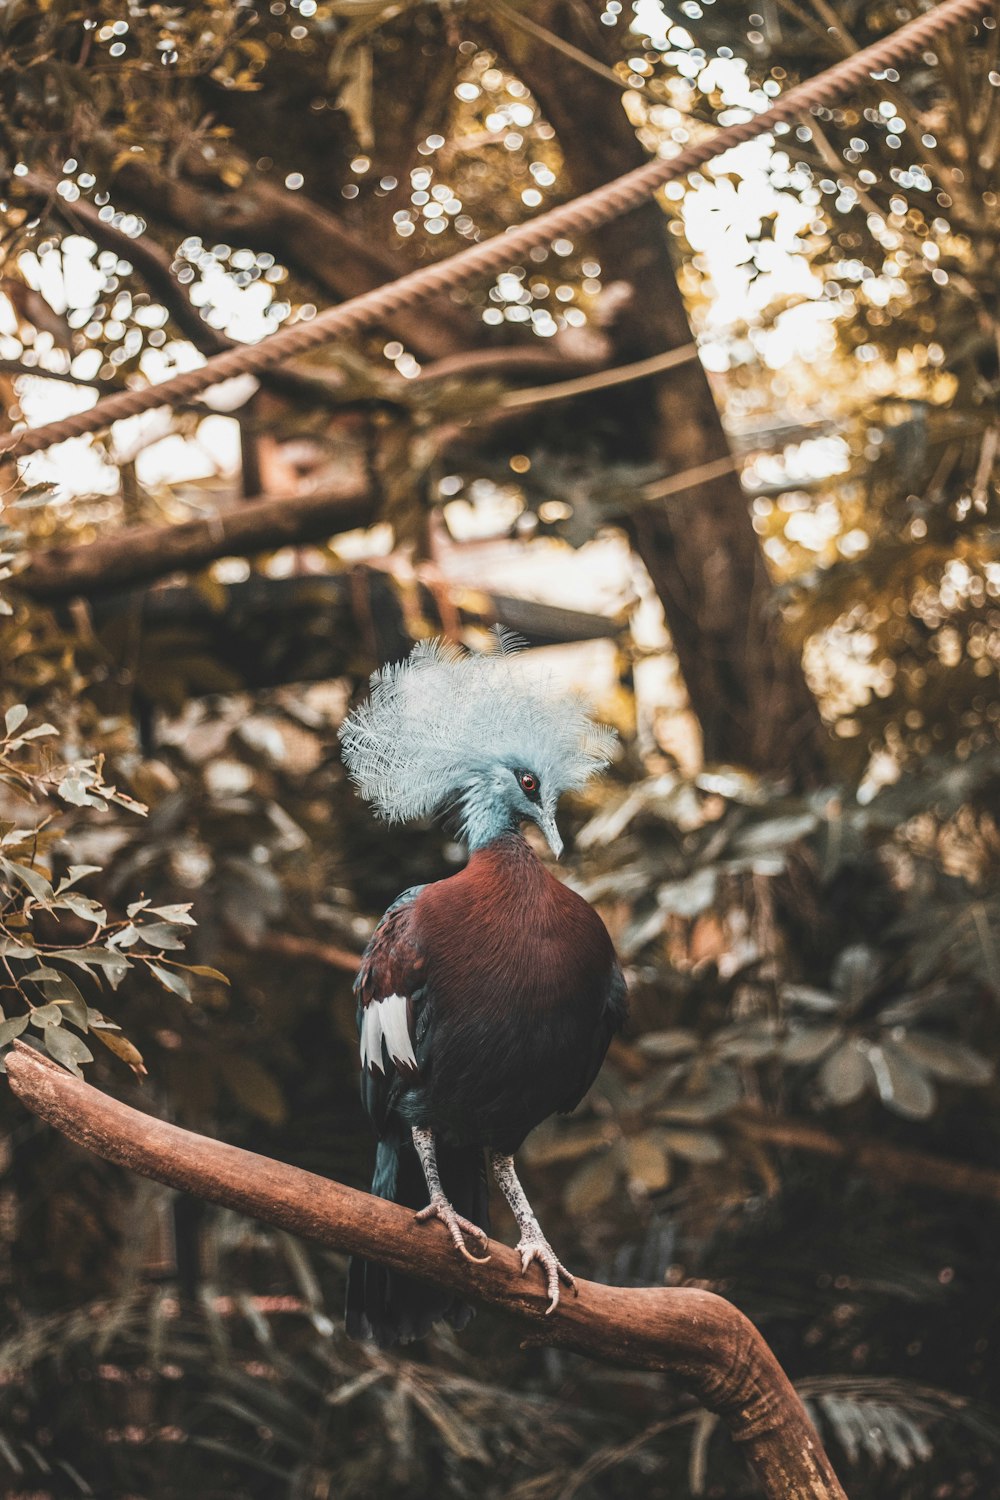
{"points": [[384, 1305], [486, 1002]]}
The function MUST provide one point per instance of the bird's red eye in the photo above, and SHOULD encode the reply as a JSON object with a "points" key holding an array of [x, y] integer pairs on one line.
{"points": [[529, 783]]}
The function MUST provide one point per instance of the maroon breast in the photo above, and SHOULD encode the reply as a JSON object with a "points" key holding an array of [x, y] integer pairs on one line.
{"points": [[505, 928], [519, 970]]}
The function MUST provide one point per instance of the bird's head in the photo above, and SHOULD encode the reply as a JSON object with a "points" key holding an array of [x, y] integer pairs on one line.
{"points": [[447, 730], [500, 796]]}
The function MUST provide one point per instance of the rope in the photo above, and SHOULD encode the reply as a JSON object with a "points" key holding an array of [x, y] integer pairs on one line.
{"points": [[490, 256]]}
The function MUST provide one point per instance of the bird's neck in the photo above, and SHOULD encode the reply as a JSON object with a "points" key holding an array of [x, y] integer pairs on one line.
{"points": [[485, 820], [511, 845]]}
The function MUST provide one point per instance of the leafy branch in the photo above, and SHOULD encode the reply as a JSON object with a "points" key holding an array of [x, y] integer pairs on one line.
{"points": [[49, 927]]}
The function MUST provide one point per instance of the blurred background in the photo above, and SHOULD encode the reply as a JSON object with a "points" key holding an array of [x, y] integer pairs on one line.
{"points": [[730, 467]]}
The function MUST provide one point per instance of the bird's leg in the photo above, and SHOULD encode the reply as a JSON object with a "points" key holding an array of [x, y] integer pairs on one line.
{"points": [[532, 1245], [439, 1207]]}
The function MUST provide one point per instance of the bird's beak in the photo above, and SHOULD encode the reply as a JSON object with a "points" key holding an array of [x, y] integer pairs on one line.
{"points": [[547, 824]]}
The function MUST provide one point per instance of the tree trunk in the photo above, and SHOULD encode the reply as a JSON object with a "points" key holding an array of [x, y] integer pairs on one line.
{"points": [[746, 687]]}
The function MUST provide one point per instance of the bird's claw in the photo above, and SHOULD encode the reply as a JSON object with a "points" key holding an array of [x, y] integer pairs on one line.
{"points": [[538, 1248], [458, 1228]]}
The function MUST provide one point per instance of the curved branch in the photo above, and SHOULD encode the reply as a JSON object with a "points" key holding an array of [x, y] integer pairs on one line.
{"points": [[702, 1341]]}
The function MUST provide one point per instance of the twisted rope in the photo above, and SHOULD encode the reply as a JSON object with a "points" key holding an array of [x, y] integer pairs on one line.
{"points": [[493, 255]]}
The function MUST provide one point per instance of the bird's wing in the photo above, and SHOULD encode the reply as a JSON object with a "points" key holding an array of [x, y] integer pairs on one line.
{"points": [[391, 989], [613, 1018]]}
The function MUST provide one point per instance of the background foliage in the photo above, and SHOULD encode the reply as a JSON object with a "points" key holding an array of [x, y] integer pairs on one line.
{"points": [[804, 1114]]}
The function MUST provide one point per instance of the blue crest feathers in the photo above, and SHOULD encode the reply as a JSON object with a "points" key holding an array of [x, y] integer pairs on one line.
{"points": [[444, 715]]}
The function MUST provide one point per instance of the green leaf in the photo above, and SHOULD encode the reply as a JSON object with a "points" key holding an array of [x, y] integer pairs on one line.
{"points": [[171, 981], [749, 1041], [722, 1094], [12, 1028], [179, 913], [74, 1007], [67, 1048], [76, 790], [73, 874], [114, 965], [127, 937], [161, 935], [854, 974], [902, 1086], [121, 799], [846, 1074], [673, 1043], [33, 882], [13, 948], [17, 836], [943, 1058], [808, 997], [15, 717], [46, 1015], [807, 1044], [204, 971], [81, 906]]}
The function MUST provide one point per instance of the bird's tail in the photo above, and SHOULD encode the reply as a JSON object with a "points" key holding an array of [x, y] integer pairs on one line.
{"points": [[385, 1305]]}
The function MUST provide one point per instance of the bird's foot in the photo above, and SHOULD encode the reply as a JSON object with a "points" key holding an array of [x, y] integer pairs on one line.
{"points": [[458, 1228], [536, 1247]]}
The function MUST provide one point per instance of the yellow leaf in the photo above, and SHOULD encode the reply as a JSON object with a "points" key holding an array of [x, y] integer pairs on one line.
{"points": [[647, 1162], [123, 1048]]}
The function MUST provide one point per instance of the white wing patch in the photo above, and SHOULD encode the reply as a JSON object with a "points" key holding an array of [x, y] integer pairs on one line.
{"points": [[385, 1021]]}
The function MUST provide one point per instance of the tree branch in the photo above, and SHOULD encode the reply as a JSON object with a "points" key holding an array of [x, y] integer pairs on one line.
{"points": [[309, 238], [265, 632], [701, 1341], [154, 265], [501, 361], [291, 945], [144, 253], [139, 554], [877, 1158], [16, 368]]}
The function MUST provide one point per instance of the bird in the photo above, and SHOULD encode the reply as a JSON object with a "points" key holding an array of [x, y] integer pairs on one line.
{"points": [[486, 1001]]}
